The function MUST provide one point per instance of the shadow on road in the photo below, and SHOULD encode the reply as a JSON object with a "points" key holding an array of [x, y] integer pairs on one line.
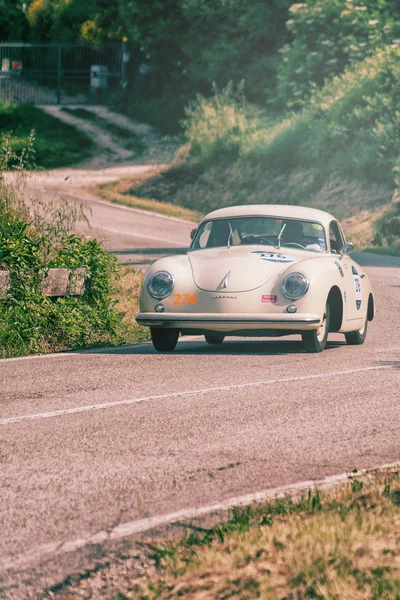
{"points": [[228, 348], [395, 364]]}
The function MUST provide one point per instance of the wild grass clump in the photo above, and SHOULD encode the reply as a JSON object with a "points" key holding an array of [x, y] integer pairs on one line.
{"points": [[37, 236], [217, 127]]}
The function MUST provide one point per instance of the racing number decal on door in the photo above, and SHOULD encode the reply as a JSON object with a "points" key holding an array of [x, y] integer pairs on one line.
{"points": [[357, 287], [184, 298]]}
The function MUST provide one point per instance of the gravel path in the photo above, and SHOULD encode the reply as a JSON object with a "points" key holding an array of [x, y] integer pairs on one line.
{"points": [[112, 148]]}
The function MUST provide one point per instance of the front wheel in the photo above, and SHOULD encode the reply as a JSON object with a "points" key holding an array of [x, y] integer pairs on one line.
{"points": [[356, 338], [315, 340], [164, 340], [214, 338]]}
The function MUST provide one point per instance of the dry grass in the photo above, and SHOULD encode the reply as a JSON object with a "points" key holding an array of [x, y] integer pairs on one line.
{"points": [[342, 545], [127, 294], [347, 547], [120, 193], [358, 205]]}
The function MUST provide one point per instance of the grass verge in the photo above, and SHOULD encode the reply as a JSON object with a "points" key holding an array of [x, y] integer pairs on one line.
{"points": [[126, 294], [56, 144], [340, 544], [119, 193]]}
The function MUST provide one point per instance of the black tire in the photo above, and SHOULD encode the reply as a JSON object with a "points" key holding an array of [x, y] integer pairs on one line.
{"points": [[315, 340], [214, 338], [356, 338], [164, 340]]}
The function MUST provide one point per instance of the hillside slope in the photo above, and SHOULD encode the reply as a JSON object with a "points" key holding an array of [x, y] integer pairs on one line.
{"points": [[341, 153]]}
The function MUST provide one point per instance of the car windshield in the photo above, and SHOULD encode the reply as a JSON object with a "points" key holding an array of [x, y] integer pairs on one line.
{"points": [[265, 231]]}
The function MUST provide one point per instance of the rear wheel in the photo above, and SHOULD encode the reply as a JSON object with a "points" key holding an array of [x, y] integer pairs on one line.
{"points": [[315, 340], [164, 340], [214, 338], [356, 338]]}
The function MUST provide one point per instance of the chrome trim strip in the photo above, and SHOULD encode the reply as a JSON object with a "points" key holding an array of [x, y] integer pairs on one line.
{"points": [[211, 320]]}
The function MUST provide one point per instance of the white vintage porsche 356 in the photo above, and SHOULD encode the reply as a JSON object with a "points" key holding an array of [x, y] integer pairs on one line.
{"points": [[260, 270]]}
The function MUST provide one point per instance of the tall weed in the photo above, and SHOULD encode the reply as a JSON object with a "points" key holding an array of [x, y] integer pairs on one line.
{"points": [[36, 236]]}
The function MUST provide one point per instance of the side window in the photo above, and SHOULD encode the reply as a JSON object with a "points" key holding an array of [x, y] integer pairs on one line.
{"points": [[335, 237], [205, 235]]}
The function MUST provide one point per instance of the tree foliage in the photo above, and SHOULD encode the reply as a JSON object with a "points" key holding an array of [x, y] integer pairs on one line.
{"points": [[92, 21], [13, 24], [328, 35], [283, 51]]}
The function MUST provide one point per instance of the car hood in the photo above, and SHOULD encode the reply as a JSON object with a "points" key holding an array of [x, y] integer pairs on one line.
{"points": [[238, 269]]}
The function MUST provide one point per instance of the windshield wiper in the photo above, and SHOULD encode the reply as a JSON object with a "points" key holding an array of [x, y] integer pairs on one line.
{"points": [[279, 236], [230, 236]]}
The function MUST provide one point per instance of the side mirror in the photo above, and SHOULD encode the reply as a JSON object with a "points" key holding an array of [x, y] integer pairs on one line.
{"points": [[346, 249]]}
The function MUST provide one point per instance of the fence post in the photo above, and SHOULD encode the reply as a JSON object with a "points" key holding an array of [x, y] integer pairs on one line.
{"points": [[124, 61], [59, 73]]}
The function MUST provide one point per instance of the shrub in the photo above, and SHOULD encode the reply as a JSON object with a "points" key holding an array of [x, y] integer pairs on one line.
{"points": [[327, 36], [219, 125], [35, 237], [351, 127], [387, 228]]}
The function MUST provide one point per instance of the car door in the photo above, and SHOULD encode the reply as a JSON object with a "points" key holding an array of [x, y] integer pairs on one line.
{"points": [[352, 292]]}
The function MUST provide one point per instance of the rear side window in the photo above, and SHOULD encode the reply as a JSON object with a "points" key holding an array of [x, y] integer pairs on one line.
{"points": [[336, 238]]}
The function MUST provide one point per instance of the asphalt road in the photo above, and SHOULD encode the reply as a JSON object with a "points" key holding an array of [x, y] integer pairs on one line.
{"points": [[94, 440]]}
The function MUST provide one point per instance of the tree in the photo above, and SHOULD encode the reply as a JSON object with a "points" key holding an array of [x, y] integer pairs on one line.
{"points": [[13, 23], [93, 21]]}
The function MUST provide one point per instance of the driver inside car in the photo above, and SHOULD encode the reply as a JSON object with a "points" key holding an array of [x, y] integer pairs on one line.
{"points": [[294, 234]]}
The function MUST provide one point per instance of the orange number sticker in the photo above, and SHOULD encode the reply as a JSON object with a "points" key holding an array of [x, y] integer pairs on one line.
{"points": [[184, 298]]}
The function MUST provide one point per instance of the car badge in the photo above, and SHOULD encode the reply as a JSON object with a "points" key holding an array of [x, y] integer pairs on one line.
{"points": [[224, 283]]}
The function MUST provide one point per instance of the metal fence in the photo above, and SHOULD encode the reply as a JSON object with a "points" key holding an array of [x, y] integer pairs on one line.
{"points": [[60, 73]]}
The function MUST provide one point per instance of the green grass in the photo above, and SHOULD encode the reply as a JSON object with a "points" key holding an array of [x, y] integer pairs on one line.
{"points": [[129, 140], [56, 144], [343, 543]]}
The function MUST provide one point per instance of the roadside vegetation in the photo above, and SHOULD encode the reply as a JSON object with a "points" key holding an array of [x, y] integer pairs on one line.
{"points": [[343, 543], [37, 236], [56, 144], [340, 153], [281, 101], [120, 193]]}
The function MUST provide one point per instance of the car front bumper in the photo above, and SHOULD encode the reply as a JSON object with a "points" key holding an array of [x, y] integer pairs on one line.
{"points": [[230, 321]]}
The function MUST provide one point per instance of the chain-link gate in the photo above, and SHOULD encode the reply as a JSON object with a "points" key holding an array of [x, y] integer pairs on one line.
{"points": [[60, 73]]}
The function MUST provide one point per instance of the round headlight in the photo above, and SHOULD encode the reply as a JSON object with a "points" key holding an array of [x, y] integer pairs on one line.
{"points": [[294, 286], [160, 284]]}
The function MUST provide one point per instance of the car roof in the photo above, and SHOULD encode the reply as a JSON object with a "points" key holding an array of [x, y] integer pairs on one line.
{"points": [[272, 210]]}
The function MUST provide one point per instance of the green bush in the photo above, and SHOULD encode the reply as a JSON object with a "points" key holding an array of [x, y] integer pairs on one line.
{"points": [[34, 238], [351, 127], [327, 36], [219, 125], [387, 229]]}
